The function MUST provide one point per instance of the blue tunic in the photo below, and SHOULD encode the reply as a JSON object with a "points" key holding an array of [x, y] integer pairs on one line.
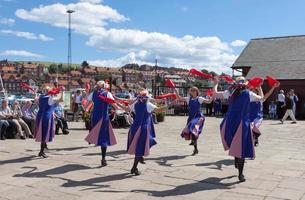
{"points": [[256, 111], [141, 136], [195, 120], [45, 128], [235, 128], [101, 133]]}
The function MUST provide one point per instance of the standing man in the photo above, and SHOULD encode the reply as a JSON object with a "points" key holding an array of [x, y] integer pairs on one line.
{"points": [[280, 103], [288, 105], [77, 104], [294, 99]]}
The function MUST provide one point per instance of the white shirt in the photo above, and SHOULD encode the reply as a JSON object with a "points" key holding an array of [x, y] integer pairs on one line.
{"points": [[150, 107], [281, 98], [78, 99], [253, 97], [200, 99], [109, 95]]}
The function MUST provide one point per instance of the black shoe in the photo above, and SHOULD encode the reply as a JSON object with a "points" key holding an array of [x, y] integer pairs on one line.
{"points": [[42, 154], [241, 178], [195, 152], [56, 133], [142, 161], [256, 143], [192, 143], [22, 137], [293, 122], [31, 136], [103, 163], [135, 172], [66, 132]]}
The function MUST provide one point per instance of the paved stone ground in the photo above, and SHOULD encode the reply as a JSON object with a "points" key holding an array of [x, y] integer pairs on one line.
{"points": [[72, 171]]}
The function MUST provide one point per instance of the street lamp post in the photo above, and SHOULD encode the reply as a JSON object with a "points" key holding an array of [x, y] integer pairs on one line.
{"points": [[155, 77], [69, 48]]}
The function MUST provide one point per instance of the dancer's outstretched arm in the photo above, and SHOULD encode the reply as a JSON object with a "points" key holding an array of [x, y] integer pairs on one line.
{"points": [[267, 95]]}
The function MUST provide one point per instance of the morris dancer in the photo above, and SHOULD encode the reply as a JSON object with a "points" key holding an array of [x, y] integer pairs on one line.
{"points": [[101, 133], [45, 126], [235, 128], [141, 136], [196, 118]]}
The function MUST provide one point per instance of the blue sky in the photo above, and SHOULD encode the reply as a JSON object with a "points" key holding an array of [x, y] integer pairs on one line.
{"points": [[183, 33]]}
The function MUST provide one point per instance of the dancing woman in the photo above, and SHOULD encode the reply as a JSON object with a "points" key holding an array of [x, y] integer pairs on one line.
{"points": [[101, 133], [235, 129], [141, 136], [196, 118], [45, 126]]}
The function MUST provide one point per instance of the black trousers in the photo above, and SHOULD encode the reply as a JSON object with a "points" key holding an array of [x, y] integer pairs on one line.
{"points": [[61, 124]]}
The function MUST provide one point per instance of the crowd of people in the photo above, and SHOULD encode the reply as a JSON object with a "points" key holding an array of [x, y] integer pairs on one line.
{"points": [[19, 121]]}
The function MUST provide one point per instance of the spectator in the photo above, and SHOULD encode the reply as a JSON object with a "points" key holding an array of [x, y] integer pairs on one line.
{"points": [[3, 126], [272, 110], [29, 116], [17, 114], [6, 112], [77, 105], [288, 105], [280, 103], [295, 99], [217, 107], [61, 121]]}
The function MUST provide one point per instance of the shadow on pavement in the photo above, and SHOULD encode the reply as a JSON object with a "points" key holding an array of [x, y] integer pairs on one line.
{"points": [[95, 183], [18, 160], [212, 183], [114, 154], [163, 160], [55, 171]]}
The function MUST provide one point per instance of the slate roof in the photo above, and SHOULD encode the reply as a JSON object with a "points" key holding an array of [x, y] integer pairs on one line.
{"points": [[279, 57]]}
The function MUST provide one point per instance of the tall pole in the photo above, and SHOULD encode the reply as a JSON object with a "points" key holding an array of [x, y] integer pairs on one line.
{"points": [[69, 48], [155, 76]]}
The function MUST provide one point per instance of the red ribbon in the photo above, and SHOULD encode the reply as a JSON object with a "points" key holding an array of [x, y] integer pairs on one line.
{"points": [[54, 91], [106, 99], [26, 86], [271, 81], [166, 96], [255, 82], [227, 78], [170, 83], [201, 74]]}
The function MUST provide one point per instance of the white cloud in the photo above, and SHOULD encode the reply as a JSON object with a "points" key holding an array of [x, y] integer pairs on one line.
{"points": [[27, 35], [7, 21], [238, 43], [92, 1], [87, 16], [138, 46], [21, 53]]}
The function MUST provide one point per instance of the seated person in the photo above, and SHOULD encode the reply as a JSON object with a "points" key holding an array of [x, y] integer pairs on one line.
{"points": [[28, 116], [61, 121], [3, 127], [7, 113], [17, 114]]}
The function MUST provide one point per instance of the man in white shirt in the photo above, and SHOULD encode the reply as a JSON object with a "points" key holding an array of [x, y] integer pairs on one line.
{"points": [[77, 104]]}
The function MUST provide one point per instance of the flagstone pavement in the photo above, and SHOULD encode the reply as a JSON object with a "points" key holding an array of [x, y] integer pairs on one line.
{"points": [[73, 169]]}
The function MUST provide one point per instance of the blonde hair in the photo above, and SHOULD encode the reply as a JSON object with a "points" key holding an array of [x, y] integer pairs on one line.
{"points": [[194, 89]]}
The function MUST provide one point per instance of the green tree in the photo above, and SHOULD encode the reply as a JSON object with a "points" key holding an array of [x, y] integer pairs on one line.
{"points": [[52, 68], [85, 64]]}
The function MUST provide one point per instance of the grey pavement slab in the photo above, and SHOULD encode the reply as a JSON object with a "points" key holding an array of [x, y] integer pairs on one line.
{"points": [[73, 169]]}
